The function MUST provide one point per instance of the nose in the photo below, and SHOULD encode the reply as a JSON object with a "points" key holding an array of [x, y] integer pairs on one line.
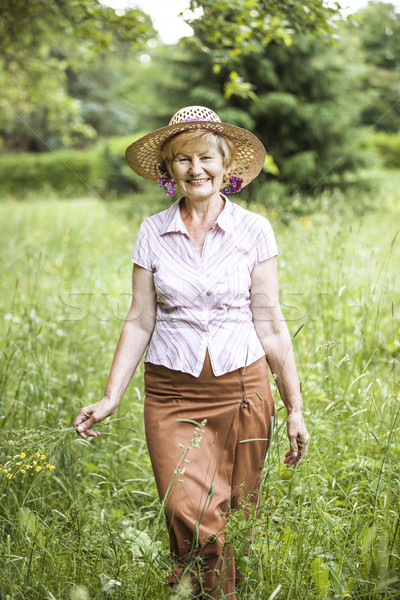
{"points": [[195, 166]]}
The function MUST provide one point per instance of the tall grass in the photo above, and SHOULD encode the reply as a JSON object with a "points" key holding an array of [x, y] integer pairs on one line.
{"points": [[91, 527]]}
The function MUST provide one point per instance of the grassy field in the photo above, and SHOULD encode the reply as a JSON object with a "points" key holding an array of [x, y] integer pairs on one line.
{"points": [[81, 520]]}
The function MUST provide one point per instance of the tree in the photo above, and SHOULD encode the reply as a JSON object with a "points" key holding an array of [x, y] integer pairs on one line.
{"points": [[378, 28], [308, 108], [305, 103], [41, 42], [235, 28], [122, 94]]}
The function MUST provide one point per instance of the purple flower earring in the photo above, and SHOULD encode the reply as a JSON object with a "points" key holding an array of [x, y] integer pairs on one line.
{"points": [[234, 185], [166, 181]]}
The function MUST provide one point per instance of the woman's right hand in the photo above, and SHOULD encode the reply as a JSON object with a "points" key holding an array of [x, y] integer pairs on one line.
{"points": [[133, 341], [94, 413]]}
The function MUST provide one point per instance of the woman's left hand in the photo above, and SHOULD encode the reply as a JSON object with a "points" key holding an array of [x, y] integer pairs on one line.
{"points": [[298, 438]]}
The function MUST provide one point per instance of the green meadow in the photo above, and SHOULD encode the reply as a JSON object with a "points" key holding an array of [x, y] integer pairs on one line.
{"points": [[81, 519]]}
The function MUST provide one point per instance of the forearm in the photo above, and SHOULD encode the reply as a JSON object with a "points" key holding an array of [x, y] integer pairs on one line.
{"points": [[274, 336], [279, 352], [131, 346]]}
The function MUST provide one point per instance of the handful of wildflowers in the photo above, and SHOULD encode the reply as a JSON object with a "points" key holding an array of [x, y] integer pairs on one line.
{"points": [[28, 451], [21, 464]]}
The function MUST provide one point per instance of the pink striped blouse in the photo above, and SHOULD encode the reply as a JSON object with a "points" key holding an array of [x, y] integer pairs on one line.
{"points": [[204, 301]]}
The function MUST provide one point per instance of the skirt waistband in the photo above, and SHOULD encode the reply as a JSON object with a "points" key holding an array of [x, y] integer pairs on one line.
{"points": [[167, 384]]}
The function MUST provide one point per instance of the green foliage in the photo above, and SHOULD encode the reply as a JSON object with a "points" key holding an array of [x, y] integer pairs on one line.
{"points": [[243, 27], [69, 172], [100, 169], [377, 27], [232, 30], [320, 574], [387, 146], [308, 102], [26, 26], [304, 99], [43, 42], [92, 528], [306, 110]]}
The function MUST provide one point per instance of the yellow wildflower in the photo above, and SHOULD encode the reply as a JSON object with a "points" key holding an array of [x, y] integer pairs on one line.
{"points": [[37, 454], [43, 457], [22, 455], [38, 468], [10, 442], [10, 476], [52, 467], [19, 464], [23, 471], [34, 462], [5, 471]]}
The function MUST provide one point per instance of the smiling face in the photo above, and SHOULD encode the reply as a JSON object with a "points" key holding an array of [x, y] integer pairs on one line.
{"points": [[198, 161], [198, 175]]}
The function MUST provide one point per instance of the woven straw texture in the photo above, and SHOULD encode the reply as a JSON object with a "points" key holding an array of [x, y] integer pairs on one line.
{"points": [[143, 156]]}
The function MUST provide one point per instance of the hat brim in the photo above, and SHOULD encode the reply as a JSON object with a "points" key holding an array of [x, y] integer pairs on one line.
{"points": [[143, 156]]}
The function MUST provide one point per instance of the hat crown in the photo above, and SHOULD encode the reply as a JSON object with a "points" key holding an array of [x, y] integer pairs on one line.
{"points": [[194, 113]]}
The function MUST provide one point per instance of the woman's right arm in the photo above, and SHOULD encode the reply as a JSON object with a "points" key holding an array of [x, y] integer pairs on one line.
{"points": [[133, 341]]}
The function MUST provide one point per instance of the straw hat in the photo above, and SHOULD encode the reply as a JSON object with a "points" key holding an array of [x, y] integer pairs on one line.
{"points": [[143, 156]]}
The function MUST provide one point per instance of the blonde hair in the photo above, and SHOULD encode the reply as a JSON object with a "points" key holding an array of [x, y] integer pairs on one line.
{"points": [[198, 140]]}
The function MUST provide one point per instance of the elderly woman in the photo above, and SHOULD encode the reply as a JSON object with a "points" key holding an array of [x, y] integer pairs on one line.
{"points": [[205, 306]]}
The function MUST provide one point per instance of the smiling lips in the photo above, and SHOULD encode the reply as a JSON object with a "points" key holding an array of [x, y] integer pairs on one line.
{"points": [[198, 181]]}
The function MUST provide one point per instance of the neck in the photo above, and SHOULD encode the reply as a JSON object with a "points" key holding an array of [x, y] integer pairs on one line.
{"points": [[199, 210]]}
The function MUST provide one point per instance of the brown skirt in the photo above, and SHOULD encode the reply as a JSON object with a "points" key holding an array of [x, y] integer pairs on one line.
{"points": [[208, 438]]}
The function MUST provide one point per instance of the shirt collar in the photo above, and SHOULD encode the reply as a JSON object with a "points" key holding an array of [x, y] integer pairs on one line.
{"points": [[224, 220], [173, 222]]}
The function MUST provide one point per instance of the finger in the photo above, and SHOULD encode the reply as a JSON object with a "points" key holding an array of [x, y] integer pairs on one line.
{"points": [[84, 414], [92, 433], [85, 426], [298, 461], [304, 439], [294, 447], [88, 432], [289, 458], [80, 418], [302, 454], [293, 461], [303, 450], [303, 446]]}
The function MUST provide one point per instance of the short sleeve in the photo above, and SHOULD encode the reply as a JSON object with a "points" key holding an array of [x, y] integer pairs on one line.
{"points": [[265, 242], [141, 252]]}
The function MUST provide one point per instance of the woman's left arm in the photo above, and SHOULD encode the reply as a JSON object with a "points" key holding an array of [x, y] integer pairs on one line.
{"points": [[274, 336]]}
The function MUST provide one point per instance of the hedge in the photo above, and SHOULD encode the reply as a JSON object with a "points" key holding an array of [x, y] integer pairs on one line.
{"points": [[100, 169], [387, 145]]}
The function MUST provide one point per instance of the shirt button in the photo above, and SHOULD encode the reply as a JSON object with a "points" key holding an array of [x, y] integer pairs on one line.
{"points": [[209, 293]]}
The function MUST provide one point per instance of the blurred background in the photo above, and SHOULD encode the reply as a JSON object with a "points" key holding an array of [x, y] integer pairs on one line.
{"points": [[319, 83]]}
